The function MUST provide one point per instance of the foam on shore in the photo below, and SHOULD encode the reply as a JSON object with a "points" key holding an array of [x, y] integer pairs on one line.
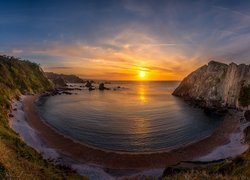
{"points": [[28, 134], [233, 148]]}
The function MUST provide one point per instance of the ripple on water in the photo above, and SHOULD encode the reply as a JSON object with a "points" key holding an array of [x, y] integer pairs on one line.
{"points": [[142, 117]]}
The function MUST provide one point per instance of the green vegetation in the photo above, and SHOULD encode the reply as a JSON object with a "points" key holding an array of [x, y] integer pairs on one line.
{"points": [[17, 160], [237, 168], [244, 97]]}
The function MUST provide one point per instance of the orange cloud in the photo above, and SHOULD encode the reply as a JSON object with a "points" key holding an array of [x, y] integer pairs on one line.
{"points": [[121, 57]]}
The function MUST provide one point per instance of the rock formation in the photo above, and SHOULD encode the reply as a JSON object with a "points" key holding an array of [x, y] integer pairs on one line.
{"points": [[59, 82], [88, 84], [217, 85], [67, 78], [102, 87], [247, 115]]}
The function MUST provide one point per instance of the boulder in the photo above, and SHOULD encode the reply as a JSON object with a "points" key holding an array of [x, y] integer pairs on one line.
{"points": [[88, 84], [247, 115], [101, 86], [173, 170], [247, 134], [67, 93], [59, 82], [91, 88]]}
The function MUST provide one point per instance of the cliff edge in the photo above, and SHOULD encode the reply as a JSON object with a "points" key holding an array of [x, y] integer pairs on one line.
{"points": [[217, 85], [17, 160]]}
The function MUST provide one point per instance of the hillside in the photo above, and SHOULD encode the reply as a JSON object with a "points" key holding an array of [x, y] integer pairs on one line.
{"points": [[67, 78], [217, 85], [17, 160]]}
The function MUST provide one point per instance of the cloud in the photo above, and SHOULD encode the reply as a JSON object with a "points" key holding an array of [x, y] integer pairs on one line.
{"points": [[138, 7], [233, 11], [171, 40], [58, 68], [154, 68], [126, 52], [162, 44], [17, 51]]}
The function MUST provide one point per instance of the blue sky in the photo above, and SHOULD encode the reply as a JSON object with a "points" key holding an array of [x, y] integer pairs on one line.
{"points": [[115, 39]]}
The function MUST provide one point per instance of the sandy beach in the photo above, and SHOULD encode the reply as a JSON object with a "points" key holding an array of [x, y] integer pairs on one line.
{"points": [[124, 160]]}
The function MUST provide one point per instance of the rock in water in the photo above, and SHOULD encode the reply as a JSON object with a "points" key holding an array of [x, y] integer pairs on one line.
{"points": [[91, 88], [215, 85], [88, 84], [59, 82], [102, 87]]}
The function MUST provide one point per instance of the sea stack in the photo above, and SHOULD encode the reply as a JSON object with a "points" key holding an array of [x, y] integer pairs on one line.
{"points": [[102, 87], [217, 85]]}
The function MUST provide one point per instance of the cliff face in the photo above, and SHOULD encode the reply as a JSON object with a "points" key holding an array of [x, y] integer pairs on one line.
{"points": [[19, 160], [216, 85], [20, 77]]}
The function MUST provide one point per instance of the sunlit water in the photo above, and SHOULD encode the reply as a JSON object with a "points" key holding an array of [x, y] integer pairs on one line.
{"points": [[140, 116]]}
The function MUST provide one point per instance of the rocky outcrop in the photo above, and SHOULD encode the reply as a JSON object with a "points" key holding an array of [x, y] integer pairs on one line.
{"points": [[67, 78], [247, 115], [59, 82], [102, 87], [216, 85], [88, 84]]}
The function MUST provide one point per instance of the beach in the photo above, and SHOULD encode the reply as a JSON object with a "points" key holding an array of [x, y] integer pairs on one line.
{"points": [[124, 160], [223, 143]]}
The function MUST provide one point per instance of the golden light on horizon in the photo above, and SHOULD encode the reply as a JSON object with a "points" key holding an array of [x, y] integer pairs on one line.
{"points": [[142, 74]]}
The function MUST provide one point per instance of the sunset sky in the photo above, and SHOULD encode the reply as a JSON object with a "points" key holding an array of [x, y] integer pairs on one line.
{"points": [[125, 39]]}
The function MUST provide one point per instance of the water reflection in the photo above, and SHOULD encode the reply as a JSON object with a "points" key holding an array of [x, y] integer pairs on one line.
{"points": [[142, 116], [140, 125], [142, 94]]}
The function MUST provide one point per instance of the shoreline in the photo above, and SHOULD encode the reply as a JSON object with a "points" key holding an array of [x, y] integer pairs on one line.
{"points": [[126, 160]]}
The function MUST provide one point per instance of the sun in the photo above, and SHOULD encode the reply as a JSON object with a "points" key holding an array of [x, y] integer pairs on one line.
{"points": [[142, 74]]}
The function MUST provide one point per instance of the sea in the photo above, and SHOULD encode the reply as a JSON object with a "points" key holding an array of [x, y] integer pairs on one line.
{"points": [[132, 116]]}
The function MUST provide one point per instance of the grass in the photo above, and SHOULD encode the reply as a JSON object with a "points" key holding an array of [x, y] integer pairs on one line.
{"points": [[237, 168], [17, 160]]}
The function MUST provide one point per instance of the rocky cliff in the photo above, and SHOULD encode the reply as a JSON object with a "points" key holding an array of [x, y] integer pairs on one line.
{"points": [[217, 85], [18, 160], [21, 76]]}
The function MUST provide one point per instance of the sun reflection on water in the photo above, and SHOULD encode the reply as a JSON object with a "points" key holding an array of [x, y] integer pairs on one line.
{"points": [[141, 126], [142, 94]]}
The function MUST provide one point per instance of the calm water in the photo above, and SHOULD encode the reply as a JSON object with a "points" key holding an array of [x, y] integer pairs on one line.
{"points": [[141, 116]]}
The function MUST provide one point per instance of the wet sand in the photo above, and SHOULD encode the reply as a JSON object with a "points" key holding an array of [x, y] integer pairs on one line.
{"points": [[125, 160]]}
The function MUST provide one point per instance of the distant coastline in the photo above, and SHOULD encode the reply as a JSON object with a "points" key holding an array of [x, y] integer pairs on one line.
{"points": [[138, 161]]}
